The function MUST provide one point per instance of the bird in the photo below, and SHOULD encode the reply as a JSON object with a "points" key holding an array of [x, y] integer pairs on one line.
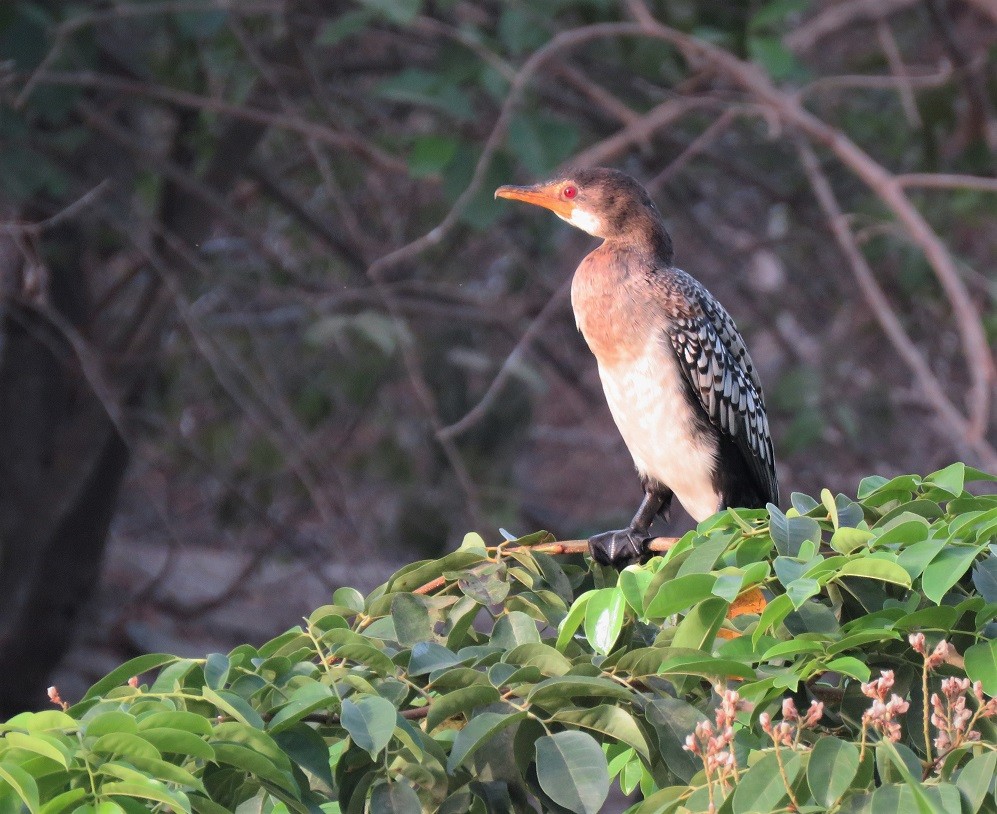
{"points": [[676, 373]]}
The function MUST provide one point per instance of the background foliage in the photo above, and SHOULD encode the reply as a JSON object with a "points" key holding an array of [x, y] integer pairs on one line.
{"points": [[508, 678], [249, 251]]}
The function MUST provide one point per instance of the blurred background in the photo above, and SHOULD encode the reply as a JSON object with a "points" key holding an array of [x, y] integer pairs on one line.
{"points": [[264, 330]]}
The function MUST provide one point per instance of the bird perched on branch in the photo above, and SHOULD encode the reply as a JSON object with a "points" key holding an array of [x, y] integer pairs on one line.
{"points": [[676, 373]]}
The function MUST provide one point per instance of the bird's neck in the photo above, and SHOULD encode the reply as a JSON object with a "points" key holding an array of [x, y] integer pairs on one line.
{"points": [[644, 235]]}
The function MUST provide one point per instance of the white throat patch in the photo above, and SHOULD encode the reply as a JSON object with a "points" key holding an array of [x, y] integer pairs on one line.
{"points": [[585, 221]]}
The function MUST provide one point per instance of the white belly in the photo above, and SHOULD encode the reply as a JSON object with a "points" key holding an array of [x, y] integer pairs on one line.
{"points": [[647, 401]]}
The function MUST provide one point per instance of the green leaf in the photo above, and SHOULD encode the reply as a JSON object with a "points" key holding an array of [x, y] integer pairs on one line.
{"points": [[946, 569], [411, 616], [699, 627], [477, 732], [513, 629], [305, 699], [950, 480], [773, 615], [125, 744], [62, 801], [832, 767], [849, 666], [610, 721], [556, 692], [22, 783], [234, 706], [789, 533], [873, 568], [975, 779], [41, 744], [370, 722], [570, 623], [762, 788], [572, 771], [216, 668], [800, 590], [846, 539], [429, 656], [680, 593], [673, 720], [604, 617], [458, 702], [395, 798], [178, 742], [981, 665], [149, 790], [129, 669]]}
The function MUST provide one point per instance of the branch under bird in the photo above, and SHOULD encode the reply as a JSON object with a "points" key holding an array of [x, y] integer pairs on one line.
{"points": [[676, 373]]}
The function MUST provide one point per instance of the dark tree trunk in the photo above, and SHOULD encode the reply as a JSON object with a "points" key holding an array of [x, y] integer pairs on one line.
{"points": [[61, 464]]}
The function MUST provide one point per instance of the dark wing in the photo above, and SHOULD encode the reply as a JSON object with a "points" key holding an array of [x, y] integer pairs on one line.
{"points": [[716, 364]]}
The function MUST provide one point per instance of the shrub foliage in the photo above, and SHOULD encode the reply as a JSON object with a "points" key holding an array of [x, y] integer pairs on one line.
{"points": [[835, 657]]}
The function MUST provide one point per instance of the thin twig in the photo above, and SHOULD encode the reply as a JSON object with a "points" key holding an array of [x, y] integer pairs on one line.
{"points": [[882, 309], [66, 213], [895, 60], [539, 322]]}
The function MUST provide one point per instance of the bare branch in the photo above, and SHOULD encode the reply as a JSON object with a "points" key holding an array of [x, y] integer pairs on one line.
{"points": [[841, 15], [884, 312], [182, 98], [476, 413], [64, 214], [941, 180]]}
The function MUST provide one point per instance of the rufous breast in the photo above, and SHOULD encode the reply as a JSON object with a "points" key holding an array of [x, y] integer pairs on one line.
{"points": [[609, 306]]}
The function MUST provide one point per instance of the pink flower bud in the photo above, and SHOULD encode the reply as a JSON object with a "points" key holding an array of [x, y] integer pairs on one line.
{"points": [[917, 642]]}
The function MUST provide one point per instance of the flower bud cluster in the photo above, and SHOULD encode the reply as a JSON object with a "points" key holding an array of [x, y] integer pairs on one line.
{"points": [[937, 657], [882, 714], [713, 744], [952, 716], [787, 732]]}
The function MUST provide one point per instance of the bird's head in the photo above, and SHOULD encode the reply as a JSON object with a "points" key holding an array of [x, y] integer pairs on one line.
{"points": [[604, 202]]}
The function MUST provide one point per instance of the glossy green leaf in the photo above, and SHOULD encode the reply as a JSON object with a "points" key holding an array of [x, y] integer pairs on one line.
{"points": [[832, 767], [458, 702], [559, 691], [572, 771], [946, 569], [135, 667], [975, 779], [233, 705], [395, 798], [773, 615], [981, 665], [950, 480], [679, 594], [514, 628], [604, 615], [216, 668], [41, 744], [152, 790], [22, 783], [761, 788], [370, 722], [479, 730], [673, 720], [877, 569], [611, 721], [699, 627]]}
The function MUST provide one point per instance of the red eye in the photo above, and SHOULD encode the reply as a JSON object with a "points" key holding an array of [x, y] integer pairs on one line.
{"points": [[570, 192]]}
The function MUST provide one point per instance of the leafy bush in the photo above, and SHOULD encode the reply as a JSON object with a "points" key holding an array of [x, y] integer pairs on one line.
{"points": [[834, 657]]}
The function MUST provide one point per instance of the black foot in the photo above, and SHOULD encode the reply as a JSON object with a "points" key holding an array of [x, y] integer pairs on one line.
{"points": [[619, 548]]}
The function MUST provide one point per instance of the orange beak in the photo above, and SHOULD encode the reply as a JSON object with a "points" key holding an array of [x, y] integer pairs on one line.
{"points": [[539, 195]]}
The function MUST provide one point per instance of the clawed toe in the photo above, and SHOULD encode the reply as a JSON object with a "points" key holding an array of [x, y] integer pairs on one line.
{"points": [[619, 548]]}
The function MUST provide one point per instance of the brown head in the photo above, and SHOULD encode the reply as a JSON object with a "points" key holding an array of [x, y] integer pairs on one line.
{"points": [[604, 202]]}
